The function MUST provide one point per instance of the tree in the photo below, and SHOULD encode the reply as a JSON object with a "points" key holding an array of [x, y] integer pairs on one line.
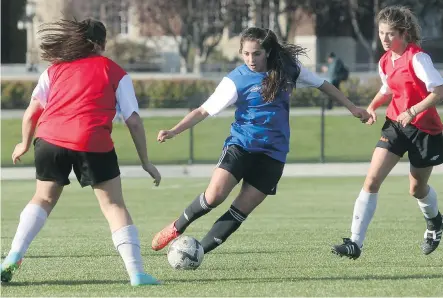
{"points": [[127, 52], [283, 14], [286, 15], [369, 44], [196, 25], [359, 8]]}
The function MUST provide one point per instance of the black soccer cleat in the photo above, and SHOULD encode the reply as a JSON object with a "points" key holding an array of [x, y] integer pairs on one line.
{"points": [[433, 234], [347, 249]]}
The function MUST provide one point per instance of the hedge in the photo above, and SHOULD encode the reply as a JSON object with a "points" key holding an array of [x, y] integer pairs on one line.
{"points": [[175, 93]]}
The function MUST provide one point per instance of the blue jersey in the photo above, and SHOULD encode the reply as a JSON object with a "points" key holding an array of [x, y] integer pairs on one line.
{"points": [[259, 126]]}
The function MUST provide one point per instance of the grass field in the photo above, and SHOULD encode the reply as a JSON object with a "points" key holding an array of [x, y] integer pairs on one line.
{"points": [[283, 249], [346, 140]]}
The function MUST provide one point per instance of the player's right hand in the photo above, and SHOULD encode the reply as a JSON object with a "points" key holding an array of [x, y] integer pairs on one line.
{"points": [[19, 150], [152, 170], [163, 135], [360, 113], [373, 118]]}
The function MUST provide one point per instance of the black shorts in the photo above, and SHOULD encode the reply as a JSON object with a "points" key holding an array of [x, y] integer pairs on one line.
{"points": [[257, 169], [54, 163], [424, 150]]}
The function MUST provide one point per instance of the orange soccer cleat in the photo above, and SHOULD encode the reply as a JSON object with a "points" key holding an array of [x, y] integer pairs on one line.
{"points": [[162, 238]]}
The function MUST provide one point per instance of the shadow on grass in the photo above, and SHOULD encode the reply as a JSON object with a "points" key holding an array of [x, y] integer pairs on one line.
{"points": [[148, 253], [64, 283], [247, 252], [144, 254], [225, 279], [302, 279]]}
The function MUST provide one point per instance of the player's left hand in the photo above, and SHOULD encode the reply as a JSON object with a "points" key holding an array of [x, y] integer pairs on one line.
{"points": [[152, 170], [360, 113], [19, 151], [405, 118]]}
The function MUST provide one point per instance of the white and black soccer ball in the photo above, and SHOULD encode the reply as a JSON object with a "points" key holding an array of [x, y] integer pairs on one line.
{"points": [[185, 253]]}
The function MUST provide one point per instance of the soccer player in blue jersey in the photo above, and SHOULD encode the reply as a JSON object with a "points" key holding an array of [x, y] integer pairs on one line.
{"points": [[256, 149]]}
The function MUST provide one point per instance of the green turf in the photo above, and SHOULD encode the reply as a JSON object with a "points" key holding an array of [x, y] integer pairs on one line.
{"points": [[282, 249], [346, 140]]}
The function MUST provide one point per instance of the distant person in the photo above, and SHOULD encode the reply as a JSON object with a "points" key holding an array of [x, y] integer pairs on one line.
{"points": [[256, 149], [413, 125], [32, 68], [72, 108], [337, 72]]}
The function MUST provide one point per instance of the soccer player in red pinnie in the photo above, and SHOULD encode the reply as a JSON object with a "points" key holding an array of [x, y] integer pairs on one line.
{"points": [[412, 125], [72, 108]]}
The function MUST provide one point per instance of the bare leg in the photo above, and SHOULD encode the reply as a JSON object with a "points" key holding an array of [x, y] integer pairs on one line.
{"points": [[124, 233]]}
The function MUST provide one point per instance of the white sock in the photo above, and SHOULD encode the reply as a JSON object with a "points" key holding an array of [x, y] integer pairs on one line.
{"points": [[364, 210], [32, 219], [428, 205], [128, 245]]}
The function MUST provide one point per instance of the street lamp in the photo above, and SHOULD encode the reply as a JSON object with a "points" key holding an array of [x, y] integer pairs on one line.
{"points": [[26, 22]]}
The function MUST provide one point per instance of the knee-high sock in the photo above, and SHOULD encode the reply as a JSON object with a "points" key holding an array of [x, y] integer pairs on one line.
{"points": [[32, 220], [195, 210], [127, 243], [227, 224], [428, 205], [364, 210]]}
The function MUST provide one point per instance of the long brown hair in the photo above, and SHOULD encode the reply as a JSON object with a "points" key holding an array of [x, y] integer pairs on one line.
{"points": [[402, 19], [68, 40], [282, 62]]}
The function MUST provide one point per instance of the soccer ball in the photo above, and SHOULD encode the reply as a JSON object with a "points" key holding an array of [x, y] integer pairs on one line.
{"points": [[185, 253]]}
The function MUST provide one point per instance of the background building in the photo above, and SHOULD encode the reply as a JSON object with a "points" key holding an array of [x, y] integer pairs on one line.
{"points": [[133, 29]]}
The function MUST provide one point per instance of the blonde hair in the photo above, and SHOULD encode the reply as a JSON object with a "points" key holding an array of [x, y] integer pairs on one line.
{"points": [[402, 19]]}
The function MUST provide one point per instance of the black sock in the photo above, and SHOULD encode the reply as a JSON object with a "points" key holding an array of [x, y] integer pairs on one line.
{"points": [[433, 224], [227, 224], [196, 209]]}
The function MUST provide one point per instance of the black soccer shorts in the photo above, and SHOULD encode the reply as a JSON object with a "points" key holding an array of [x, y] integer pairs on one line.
{"points": [[54, 163], [424, 150], [257, 169]]}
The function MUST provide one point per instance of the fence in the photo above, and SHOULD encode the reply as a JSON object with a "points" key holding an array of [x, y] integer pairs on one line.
{"points": [[332, 136], [313, 133]]}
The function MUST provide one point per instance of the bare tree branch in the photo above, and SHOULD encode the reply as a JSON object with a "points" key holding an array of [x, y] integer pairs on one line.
{"points": [[194, 24], [353, 7]]}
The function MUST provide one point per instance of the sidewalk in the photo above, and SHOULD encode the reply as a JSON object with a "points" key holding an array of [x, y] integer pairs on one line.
{"points": [[204, 171]]}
